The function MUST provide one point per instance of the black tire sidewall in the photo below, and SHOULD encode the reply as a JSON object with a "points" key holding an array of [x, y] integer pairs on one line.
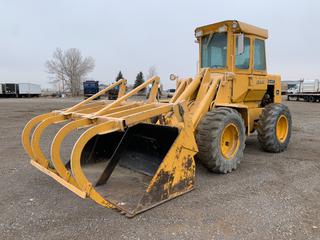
{"points": [[208, 137], [267, 130], [284, 144]]}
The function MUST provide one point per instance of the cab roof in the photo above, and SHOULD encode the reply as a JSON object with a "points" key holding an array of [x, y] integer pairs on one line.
{"points": [[237, 27]]}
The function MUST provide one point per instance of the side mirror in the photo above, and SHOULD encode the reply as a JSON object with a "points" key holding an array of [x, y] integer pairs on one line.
{"points": [[173, 77], [240, 44]]}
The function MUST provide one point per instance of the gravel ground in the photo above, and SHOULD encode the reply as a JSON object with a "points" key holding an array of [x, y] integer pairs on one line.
{"points": [[271, 196]]}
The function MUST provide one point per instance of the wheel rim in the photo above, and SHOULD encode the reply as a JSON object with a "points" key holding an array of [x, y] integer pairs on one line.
{"points": [[230, 141], [282, 128]]}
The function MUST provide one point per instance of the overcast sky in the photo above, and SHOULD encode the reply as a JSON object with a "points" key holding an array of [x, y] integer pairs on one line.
{"points": [[132, 35]]}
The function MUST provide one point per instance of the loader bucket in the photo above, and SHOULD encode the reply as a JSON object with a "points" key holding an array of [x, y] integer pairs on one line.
{"points": [[120, 160], [148, 165]]}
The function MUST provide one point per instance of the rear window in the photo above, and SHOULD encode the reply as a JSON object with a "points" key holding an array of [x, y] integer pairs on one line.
{"points": [[259, 55]]}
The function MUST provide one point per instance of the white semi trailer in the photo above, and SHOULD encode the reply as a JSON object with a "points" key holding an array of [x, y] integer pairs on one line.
{"points": [[19, 90], [307, 90], [29, 90]]}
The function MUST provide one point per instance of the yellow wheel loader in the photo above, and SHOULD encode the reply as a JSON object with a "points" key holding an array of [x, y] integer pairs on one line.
{"points": [[133, 155]]}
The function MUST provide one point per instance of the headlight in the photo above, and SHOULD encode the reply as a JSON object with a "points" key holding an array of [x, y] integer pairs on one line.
{"points": [[199, 33], [222, 29], [235, 25]]}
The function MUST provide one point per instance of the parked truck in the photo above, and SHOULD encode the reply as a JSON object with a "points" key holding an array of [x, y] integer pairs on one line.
{"points": [[113, 93], [284, 88], [9, 90], [308, 90], [90, 88]]}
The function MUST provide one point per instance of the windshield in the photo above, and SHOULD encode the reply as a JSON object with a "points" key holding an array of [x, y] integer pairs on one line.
{"points": [[214, 50], [89, 84]]}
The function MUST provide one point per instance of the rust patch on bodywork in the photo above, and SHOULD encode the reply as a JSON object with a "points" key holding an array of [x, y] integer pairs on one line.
{"points": [[172, 182]]}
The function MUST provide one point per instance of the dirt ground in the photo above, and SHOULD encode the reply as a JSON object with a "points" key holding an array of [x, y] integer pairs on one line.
{"points": [[270, 196]]}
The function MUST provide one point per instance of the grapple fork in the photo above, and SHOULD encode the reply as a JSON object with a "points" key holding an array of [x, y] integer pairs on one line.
{"points": [[122, 160]]}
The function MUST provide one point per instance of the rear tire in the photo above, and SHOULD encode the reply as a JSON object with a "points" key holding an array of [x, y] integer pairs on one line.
{"points": [[274, 128], [221, 140]]}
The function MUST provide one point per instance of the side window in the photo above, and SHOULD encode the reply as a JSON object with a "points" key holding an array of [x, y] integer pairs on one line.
{"points": [[259, 55], [243, 60]]}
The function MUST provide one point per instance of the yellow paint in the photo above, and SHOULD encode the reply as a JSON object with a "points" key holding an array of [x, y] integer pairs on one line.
{"points": [[59, 180], [35, 141], [242, 27], [282, 128], [25, 137], [56, 149], [239, 88], [230, 141], [277, 87]]}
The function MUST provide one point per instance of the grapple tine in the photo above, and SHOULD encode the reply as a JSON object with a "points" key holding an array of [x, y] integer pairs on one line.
{"points": [[59, 172], [36, 137], [60, 180], [76, 169], [26, 133], [56, 146]]}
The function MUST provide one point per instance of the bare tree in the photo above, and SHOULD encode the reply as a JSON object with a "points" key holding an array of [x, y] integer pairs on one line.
{"points": [[68, 69], [151, 72]]}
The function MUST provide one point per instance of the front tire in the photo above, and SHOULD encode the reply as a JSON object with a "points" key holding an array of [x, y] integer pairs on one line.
{"points": [[274, 128], [221, 140]]}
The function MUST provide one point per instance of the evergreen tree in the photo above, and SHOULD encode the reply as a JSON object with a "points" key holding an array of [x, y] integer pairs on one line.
{"points": [[120, 76], [139, 80]]}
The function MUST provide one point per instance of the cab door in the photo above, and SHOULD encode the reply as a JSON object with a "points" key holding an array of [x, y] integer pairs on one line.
{"points": [[258, 80], [242, 68]]}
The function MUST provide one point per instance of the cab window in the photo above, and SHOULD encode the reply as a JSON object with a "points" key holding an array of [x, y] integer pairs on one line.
{"points": [[243, 59], [214, 50], [259, 55]]}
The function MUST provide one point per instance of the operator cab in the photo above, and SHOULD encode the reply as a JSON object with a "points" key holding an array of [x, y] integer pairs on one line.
{"points": [[238, 48], [233, 46]]}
